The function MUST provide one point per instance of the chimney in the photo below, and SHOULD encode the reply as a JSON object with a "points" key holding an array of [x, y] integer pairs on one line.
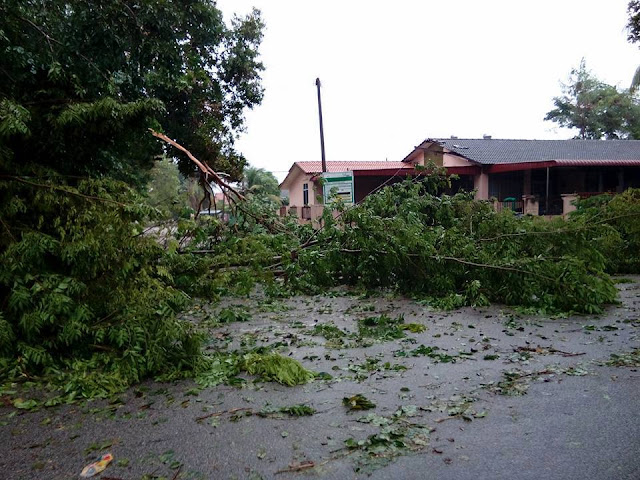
{"points": [[454, 137], [486, 137]]}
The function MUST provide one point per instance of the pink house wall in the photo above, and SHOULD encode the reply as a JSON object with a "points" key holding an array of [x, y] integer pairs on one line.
{"points": [[295, 185], [480, 182], [481, 186], [446, 159], [455, 161]]}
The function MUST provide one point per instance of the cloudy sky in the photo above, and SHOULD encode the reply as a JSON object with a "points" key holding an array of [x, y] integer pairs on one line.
{"points": [[394, 73]]}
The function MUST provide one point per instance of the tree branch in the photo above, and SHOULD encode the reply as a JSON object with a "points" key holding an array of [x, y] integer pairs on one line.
{"points": [[208, 171], [495, 267], [7, 228], [64, 190], [462, 261]]}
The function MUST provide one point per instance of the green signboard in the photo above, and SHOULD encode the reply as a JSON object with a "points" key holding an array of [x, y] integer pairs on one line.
{"points": [[338, 185]]}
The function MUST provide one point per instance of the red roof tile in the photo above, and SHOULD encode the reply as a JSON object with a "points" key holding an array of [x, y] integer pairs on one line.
{"points": [[339, 166]]}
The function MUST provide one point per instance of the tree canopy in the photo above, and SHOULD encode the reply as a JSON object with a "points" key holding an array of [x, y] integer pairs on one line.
{"points": [[596, 109], [83, 80]]}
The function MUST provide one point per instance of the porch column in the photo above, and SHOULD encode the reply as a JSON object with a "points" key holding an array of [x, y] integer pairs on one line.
{"points": [[620, 187], [600, 182], [567, 205], [530, 205], [526, 186], [481, 186]]}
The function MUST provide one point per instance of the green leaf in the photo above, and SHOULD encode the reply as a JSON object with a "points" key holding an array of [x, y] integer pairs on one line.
{"points": [[25, 404]]}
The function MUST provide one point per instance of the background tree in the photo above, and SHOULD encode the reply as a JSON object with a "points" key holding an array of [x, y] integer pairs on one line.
{"points": [[167, 188], [260, 181], [596, 109], [633, 35], [82, 80], [633, 25]]}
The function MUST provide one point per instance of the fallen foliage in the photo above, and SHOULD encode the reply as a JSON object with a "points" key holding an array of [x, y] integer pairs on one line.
{"points": [[284, 370], [358, 402], [396, 436]]}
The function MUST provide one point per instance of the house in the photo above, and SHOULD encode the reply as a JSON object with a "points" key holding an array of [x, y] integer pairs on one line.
{"points": [[537, 177], [304, 190]]}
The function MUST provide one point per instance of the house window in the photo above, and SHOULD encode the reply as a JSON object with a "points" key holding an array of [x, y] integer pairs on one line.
{"points": [[305, 193]]}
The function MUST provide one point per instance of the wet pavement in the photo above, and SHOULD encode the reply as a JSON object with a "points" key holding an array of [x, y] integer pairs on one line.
{"points": [[480, 393]]}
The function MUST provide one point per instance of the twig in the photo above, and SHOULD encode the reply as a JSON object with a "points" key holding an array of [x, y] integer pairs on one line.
{"points": [[7, 228], [533, 374], [566, 354], [297, 467], [440, 420], [209, 172], [8, 75], [234, 410], [214, 414], [217, 414], [311, 240], [540, 349], [203, 183], [101, 347], [50, 39], [177, 472]]}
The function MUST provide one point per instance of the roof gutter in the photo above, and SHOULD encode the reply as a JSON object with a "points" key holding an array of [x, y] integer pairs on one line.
{"points": [[515, 167]]}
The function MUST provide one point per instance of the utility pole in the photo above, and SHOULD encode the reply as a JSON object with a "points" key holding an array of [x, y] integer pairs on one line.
{"points": [[324, 161]]}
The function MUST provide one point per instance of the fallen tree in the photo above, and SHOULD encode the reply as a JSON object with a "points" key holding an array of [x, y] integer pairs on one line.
{"points": [[449, 249], [90, 303], [457, 251]]}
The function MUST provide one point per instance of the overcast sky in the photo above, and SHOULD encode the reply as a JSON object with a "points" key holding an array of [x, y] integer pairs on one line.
{"points": [[394, 73]]}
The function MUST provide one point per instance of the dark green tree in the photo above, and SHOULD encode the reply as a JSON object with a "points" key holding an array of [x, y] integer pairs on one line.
{"points": [[81, 82], [88, 300], [596, 109]]}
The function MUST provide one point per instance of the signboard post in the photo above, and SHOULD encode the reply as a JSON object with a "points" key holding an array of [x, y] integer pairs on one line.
{"points": [[340, 185]]}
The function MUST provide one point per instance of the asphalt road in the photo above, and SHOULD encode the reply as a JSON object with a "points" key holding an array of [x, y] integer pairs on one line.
{"points": [[502, 396]]}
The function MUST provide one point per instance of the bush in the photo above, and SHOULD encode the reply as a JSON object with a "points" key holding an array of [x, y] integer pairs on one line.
{"points": [[85, 300], [620, 242]]}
